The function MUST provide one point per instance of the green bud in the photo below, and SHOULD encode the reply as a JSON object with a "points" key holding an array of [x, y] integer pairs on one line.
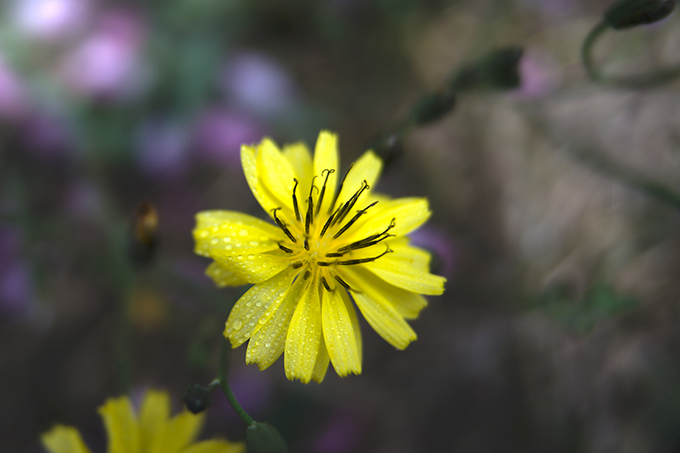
{"points": [[197, 398], [433, 107], [264, 438], [631, 13]]}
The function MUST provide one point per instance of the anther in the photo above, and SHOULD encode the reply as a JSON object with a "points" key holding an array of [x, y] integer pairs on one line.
{"points": [[325, 284], [323, 263], [295, 203], [364, 260], [283, 226], [297, 265], [354, 219], [306, 244], [370, 240], [310, 213], [345, 285], [323, 189], [337, 194], [285, 249], [307, 274], [350, 204]]}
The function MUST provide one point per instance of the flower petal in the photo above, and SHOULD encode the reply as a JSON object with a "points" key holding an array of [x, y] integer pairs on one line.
{"points": [[304, 336], [408, 304], [355, 323], [153, 418], [276, 176], [405, 276], [368, 169], [181, 431], [63, 439], [408, 214], [322, 361], [338, 333], [380, 312], [301, 160], [223, 276], [256, 173], [267, 344], [326, 158], [233, 233], [405, 253], [121, 426], [216, 446], [250, 312]]}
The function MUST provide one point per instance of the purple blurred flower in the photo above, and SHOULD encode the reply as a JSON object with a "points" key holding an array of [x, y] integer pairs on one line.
{"points": [[539, 73], [162, 147], [439, 243], [47, 135], [108, 64], [16, 291], [259, 84], [13, 97], [342, 434], [220, 133], [50, 19]]}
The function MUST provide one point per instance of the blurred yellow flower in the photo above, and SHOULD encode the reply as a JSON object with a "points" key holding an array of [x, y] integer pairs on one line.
{"points": [[152, 432], [327, 244]]}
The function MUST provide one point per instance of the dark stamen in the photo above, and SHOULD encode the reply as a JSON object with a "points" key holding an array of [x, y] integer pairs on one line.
{"points": [[325, 284], [283, 226], [354, 219], [306, 244], [307, 274], [350, 204], [323, 263], [297, 265], [364, 260], [328, 222], [343, 283], [310, 213], [334, 255], [285, 249], [323, 189], [295, 203], [337, 194], [368, 241]]}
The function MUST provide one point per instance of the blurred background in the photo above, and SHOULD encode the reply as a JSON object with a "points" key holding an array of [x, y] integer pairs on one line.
{"points": [[554, 198]]}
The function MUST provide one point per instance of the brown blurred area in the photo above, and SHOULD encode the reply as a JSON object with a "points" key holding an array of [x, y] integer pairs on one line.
{"points": [[558, 328]]}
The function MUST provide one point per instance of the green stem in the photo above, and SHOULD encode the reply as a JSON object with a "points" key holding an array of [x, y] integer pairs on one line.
{"points": [[661, 76], [248, 420]]}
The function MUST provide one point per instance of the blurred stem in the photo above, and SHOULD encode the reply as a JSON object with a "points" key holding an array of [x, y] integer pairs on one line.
{"points": [[640, 81], [222, 378]]}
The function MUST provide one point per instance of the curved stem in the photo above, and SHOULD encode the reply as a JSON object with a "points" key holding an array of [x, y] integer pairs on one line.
{"points": [[640, 81], [222, 377]]}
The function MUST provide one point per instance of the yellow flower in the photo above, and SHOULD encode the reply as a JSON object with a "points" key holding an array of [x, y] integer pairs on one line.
{"points": [[153, 432], [328, 247]]}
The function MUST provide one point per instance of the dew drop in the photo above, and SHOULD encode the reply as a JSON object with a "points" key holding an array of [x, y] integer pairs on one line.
{"points": [[268, 345], [237, 325], [243, 232], [203, 234], [258, 304], [215, 241], [254, 243]]}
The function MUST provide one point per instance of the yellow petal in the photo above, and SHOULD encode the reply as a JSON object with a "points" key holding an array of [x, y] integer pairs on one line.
{"points": [[405, 276], [304, 336], [408, 214], [256, 180], [255, 305], [182, 430], [276, 175], [223, 276], [63, 439], [301, 160], [232, 233], [379, 311], [408, 304], [355, 323], [153, 417], [322, 361], [252, 267], [121, 426], [405, 253], [338, 333], [267, 344], [367, 168], [326, 158], [216, 446]]}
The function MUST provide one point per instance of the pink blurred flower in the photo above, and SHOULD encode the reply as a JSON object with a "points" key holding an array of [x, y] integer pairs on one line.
{"points": [[259, 84], [539, 73], [437, 241], [108, 64], [50, 19], [13, 96], [219, 134]]}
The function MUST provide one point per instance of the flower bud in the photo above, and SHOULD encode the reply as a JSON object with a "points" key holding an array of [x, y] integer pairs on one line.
{"points": [[144, 238], [196, 398], [631, 13], [433, 107], [264, 438]]}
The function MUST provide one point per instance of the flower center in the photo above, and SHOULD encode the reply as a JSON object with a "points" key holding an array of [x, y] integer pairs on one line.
{"points": [[320, 241]]}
